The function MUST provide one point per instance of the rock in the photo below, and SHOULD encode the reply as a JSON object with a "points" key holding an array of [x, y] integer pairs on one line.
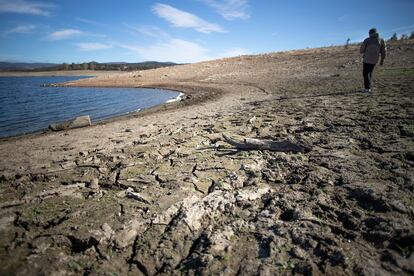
{"points": [[126, 236], [81, 121], [103, 170], [167, 216], [298, 253], [252, 194], [102, 235], [192, 210], [252, 120], [94, 184], [213, 203], [302, 213], [220, 241], [107, 230]]}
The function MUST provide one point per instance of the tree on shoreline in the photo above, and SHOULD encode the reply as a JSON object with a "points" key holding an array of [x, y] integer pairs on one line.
{"points": [[394, 37]]}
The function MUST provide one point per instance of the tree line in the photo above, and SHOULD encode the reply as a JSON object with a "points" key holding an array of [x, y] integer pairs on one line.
{"points": [[111, 66], [394, 37]]}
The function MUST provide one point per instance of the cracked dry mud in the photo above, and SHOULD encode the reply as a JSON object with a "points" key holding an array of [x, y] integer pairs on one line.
{"points": [[163, 193]]}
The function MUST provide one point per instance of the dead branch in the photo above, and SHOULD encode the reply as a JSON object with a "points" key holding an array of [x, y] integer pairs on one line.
{"points": [[264, 144]]}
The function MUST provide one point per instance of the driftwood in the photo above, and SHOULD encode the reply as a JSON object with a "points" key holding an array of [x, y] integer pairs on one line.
{"points": [[81, 121], [264, 144]]}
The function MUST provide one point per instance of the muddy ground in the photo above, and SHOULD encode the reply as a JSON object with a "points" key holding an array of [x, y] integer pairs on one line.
{"points": [[161, 192]]}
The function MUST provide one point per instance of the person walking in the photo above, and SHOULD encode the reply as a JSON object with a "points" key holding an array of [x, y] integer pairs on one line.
{"points": [[371, 48]]}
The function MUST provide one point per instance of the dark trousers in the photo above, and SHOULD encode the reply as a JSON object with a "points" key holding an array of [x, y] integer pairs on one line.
{"points": [[367, 73]]}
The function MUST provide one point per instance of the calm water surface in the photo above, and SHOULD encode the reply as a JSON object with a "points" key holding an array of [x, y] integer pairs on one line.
{"points": [[26, 106]]}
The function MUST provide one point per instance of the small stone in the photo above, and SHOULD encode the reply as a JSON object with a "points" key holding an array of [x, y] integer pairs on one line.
{"points": [[121, 194], [252, 120], [298, 253], [107, 230], [94, 184], [126, 236], [102, 170]]}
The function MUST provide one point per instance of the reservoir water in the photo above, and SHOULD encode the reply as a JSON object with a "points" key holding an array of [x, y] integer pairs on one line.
{"points": [[26, 106]]}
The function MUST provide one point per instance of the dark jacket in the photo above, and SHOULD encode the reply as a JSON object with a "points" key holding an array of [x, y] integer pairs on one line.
{"points": [[372, 47]]}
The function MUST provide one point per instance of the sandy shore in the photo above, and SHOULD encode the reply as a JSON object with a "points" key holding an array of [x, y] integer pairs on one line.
{"points": [[162, 192]]}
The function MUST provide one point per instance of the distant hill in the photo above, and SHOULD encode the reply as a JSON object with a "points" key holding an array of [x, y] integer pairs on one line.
{"points": [[122, 66], [7, 66]]}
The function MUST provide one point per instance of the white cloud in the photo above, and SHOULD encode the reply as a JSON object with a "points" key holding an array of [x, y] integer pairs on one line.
{"points": [[151, 31], [93, 46], [64, 34], [22, 29], [179, 18], [25, 7], [179, 51], [175, 50], [230, 9]]}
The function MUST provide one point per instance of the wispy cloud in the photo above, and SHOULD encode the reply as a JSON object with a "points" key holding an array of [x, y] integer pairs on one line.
{"points": [[25, 7], [176, 50], [151, 31], [404, 28], [230, 9], [64, 34], [90, 22], [179, 18], [22, 29], [93, 46]]}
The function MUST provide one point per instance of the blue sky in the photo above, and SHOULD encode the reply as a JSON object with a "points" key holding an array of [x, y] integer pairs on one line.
{"points": [[186, 30]]}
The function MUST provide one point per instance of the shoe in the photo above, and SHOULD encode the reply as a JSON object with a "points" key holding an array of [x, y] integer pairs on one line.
{"points": [[366, 90]]}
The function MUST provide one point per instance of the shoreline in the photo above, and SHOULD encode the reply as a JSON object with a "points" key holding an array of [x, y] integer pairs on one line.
{"points": [[186, 100], [132, 114]]}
